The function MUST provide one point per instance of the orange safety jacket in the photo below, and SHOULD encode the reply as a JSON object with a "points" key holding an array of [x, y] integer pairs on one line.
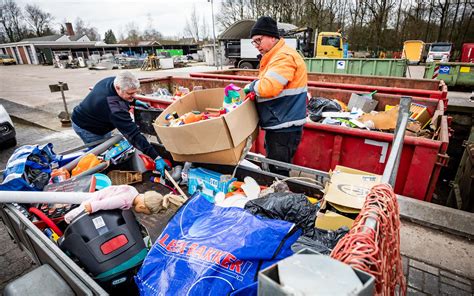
{"points": [[281, 88]]}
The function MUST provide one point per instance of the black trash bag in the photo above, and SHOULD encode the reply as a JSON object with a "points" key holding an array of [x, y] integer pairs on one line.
{"points": [[287, 206], [305, 242], [317, 106], [320, 240]]}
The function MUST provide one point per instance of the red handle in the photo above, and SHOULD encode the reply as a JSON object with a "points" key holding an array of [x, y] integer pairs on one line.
{"points": [[46, 220]]}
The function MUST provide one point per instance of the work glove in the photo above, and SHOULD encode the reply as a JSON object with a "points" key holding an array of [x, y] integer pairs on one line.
{"points": [[248, 88], [161, 165], [139, 103], [250, 96]]}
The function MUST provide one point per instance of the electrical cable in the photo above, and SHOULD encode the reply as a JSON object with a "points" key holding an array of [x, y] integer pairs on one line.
{"points": [[376, 250]]}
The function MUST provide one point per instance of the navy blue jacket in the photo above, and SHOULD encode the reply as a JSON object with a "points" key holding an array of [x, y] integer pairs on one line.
{"points": [[103, 110]]}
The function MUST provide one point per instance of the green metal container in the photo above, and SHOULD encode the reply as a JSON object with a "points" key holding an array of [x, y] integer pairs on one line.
{"points": [[453, 74], [173, 52], [373, 67]]}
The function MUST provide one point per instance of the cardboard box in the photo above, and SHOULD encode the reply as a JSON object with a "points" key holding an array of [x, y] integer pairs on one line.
{"points": [[208, 182], [218, 140], [344, 196]]}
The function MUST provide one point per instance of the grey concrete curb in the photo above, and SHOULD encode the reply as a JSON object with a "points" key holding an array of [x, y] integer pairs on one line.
{"points": [[33, 116], [435, 216]]}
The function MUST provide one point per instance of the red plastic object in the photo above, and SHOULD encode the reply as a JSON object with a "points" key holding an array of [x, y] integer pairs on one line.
{"points": [[325, 146], [113, 244], [46, 220], [148, 162], [250, 96]]}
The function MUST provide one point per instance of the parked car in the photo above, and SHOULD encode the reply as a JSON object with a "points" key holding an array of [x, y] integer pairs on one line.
{"points": [[7, 129], [7, 60]]}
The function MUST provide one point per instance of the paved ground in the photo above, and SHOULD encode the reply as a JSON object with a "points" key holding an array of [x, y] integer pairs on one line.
{"points": [[435, 263]]}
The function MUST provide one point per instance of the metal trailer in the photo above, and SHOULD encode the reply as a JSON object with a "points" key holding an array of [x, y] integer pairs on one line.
{"points": [[422, 88], [376, 67], [42, 250], [325, 146], [453, 74]]}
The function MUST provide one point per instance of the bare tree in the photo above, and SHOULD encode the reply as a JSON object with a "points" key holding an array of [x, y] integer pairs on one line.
{"points": [[192, 28], [367, 24], [442, 9], [232, 11], [133, 33], [205, 31], [380, 10], [82, 28], [12, 21], [150, 33], [38, 20]]}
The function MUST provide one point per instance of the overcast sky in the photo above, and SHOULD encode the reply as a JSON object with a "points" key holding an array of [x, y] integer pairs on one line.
{"points": [[169, 16]]}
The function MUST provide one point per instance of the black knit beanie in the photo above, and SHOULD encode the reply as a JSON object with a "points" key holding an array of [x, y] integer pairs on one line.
{"points": [[265, 26]]}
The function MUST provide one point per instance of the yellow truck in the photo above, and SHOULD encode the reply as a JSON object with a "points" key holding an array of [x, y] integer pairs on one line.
{"points": [[413, 51], [330, 45]]}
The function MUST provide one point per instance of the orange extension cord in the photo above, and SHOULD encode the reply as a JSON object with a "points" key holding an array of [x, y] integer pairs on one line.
{"points": [[376, 251]]}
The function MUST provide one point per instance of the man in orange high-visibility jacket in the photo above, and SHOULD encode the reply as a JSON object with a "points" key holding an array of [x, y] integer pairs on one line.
{"points": [[281, 92]]}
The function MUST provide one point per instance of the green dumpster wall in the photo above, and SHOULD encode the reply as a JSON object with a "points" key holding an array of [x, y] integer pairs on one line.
{"points": [[373, 67], [453, 74]]}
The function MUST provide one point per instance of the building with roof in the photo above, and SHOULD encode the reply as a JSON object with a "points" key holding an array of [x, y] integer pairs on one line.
{"points": [[42, 50]]}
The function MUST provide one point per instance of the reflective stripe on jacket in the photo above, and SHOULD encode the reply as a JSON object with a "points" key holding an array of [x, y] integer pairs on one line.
{"points": [[281, 88]]}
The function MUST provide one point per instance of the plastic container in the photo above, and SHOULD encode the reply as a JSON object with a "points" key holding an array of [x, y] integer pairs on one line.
{"points": [[102, 181]]}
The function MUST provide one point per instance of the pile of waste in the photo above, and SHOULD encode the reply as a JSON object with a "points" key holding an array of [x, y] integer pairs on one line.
{"points": [[360, 113], [232, 100]]}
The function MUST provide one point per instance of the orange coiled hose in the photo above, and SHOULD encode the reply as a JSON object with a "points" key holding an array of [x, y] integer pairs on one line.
{"points": [[376, 250]]}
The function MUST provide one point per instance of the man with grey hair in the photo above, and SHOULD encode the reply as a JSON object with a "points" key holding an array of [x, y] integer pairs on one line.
{"points": [[106, 108]]}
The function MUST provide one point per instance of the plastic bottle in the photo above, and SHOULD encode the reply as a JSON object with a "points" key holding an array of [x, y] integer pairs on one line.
{"points": [[53, 236], [155, 179]]}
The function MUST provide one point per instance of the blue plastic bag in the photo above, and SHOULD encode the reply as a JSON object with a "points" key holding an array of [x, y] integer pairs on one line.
{"points": [[210, 250], [14, 176]]}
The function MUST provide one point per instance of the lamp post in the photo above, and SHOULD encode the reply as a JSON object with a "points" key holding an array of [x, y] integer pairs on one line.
{"points": [[214, 34]]}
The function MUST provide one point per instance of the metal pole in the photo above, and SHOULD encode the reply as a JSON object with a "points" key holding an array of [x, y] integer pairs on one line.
{"points": [[43, 197], [96, 151], [214, 35], [390, 173], [66, 121]]}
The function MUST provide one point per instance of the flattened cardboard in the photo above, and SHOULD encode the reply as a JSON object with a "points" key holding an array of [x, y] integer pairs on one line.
{"points": [[350, 190], [332, 221], [218, 140], [343, 169], [342, 198]]}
